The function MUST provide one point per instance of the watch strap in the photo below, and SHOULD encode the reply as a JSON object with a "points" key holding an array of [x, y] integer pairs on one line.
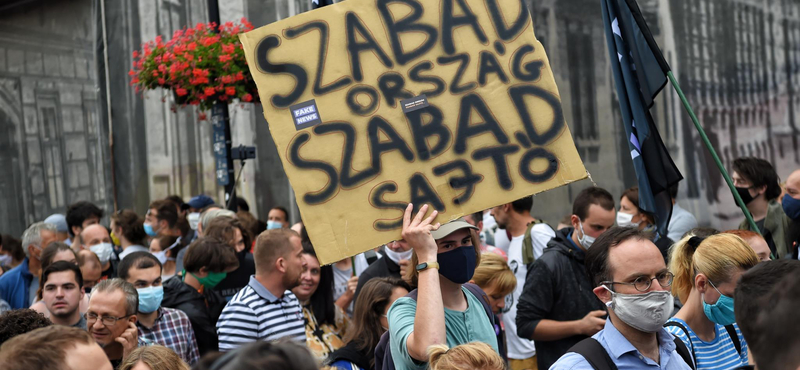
{"points": [[427, 265]]}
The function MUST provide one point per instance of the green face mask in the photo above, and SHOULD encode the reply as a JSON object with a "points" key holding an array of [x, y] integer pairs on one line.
{"points": [[212, 279]]}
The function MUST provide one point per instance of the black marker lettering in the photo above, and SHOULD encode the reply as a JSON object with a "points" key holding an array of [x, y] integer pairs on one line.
{"points": [[391, 85], [322, 27], [518, 94], [407, 24], [376, 198], [353, 103], [533, 69], [466, 131], [299, 74], [467, 181], [422, 131], [414, 74], [347, 179], [530, 156], [354, 48], [508, 33], [450, 22], [422, 193], [463, 58], [376, 126], [333, 183], [498, 155], [489, 64]]}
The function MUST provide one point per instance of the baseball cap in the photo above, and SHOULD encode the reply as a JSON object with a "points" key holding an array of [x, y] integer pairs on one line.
{"points": [[59, 221], [199, 202], [451, 227]]}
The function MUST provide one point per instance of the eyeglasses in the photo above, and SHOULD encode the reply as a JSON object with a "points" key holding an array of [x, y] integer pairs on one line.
{"points": [[106, 320], [642, 283]]}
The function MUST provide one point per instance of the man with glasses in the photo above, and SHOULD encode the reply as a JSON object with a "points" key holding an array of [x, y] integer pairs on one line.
{"points": [[630, 277], [111, 318]]}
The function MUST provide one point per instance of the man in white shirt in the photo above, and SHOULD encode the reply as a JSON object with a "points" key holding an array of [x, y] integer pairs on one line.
{"points": [[515, 217], [681, 221]]}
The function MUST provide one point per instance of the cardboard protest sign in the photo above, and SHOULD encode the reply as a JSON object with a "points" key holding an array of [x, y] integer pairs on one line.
{"points": [[377, 103]]}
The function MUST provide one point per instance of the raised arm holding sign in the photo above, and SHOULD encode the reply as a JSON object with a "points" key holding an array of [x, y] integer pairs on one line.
{"points": [[374, 104]]}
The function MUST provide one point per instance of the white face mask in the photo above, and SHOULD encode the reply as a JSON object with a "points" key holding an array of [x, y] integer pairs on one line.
{"points": [[625, 220], [103, 251], [586, 240], [647, 312], [162, 255], [397, 256], [193, 219]]}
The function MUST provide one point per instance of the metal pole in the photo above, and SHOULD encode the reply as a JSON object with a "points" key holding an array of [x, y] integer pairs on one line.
{"points": [[707, 143], [221, 121]]}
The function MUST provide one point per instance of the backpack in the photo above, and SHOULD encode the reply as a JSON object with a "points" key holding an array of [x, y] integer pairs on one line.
{"points": [[527, 243], [383, 352], [729, 328], [596, 355]]}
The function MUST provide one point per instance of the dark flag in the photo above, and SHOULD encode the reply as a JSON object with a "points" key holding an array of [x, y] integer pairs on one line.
{"points": [[320, 3], [640, 72]]}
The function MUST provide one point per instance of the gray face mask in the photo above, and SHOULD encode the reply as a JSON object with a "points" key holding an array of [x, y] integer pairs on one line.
{"points": [[647, 312]]}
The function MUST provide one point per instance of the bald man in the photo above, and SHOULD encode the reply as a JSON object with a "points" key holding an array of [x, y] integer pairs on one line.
{"points": [[791, 207], [96, 239]]}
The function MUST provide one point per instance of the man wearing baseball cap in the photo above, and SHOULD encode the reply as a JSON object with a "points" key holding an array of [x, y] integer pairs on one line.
{"points": [[445, 311]]}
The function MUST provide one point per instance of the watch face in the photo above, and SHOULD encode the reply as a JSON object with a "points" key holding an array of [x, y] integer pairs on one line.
{"points": [[422, 266]]}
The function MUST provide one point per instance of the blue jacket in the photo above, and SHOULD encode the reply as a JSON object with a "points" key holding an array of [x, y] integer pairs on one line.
{"points": [[15, 286]]}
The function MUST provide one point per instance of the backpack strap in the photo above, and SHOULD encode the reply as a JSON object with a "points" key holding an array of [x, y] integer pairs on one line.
{"points": [[680, 347], [735, 338], [692, 363], [594, 353], [527, 243]]}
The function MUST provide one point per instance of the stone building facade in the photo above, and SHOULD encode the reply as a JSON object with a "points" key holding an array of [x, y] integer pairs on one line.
{"points": [[71, 128]]}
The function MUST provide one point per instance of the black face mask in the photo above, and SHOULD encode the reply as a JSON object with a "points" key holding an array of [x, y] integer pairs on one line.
{"points": [[87, 289], [744, 193]]}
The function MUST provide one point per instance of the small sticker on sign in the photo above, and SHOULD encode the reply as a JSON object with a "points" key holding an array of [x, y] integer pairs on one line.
{"points": [[417, 102], [305, 114]]}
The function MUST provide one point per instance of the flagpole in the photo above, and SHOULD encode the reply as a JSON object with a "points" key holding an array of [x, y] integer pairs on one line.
{"points": [[708, 145]]}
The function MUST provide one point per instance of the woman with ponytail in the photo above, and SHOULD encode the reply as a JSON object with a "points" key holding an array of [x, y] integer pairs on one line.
{"points": [[706, 272]]}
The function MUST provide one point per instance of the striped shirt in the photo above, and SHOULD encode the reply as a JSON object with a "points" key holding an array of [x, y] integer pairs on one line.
{"points": [[255, 314], [719, 353]]}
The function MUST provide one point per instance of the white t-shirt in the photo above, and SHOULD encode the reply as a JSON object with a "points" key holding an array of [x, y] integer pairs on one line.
{"points": [[340, 278], [519, 348], [501, 240]]}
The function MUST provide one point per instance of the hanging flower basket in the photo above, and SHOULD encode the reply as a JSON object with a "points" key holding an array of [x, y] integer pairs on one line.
{"points": [[200, 66]]}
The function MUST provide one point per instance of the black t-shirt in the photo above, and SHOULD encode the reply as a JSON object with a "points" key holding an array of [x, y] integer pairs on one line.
{"points": [[239, 278]]}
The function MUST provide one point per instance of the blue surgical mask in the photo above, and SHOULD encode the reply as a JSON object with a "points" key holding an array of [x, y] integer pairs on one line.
{"points": [[150, 298], [720, 312], [791, 207], [148, 229], [271, 225], [5, 260], [458, 265]]}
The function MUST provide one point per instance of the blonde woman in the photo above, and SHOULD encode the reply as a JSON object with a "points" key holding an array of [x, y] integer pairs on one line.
{"points": [[706, 273], [475, 355], [153, 357], [498, 281]]}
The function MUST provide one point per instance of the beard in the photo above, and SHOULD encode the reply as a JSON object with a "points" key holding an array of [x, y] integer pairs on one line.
{"points": [[291, 281]]}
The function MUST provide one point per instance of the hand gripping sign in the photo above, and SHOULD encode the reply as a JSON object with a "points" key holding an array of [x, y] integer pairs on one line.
{"points": [[377, 103]]}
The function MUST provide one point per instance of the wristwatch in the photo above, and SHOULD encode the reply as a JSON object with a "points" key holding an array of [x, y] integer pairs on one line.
{"points": [[427, 265]]}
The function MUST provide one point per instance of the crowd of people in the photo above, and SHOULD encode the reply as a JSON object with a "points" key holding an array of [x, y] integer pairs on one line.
{"points": [[195, 286]]}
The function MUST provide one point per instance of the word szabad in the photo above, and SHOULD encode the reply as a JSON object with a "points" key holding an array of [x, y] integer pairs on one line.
{"points": [[427, 126]]}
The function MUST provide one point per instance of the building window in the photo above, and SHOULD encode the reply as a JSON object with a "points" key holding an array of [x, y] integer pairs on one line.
{"points": [[50, 142], [580, 54]]}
